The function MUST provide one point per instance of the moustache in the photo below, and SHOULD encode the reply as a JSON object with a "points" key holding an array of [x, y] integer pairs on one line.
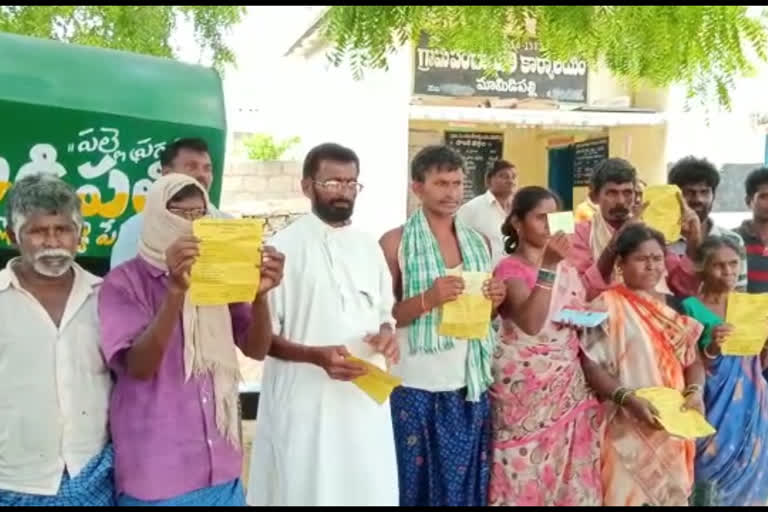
{"points": [[619, 210], [53, 254]]}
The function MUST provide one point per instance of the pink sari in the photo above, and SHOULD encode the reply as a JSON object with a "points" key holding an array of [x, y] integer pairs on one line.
{"points": [[546, 424]]}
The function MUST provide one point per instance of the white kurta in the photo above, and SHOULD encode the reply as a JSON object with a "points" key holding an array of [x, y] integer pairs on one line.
{"points": [[320, 441]]}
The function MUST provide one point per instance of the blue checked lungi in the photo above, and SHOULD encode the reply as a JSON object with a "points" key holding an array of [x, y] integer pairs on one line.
{"points": [[442, 444], [229, 494], [92, 487]]}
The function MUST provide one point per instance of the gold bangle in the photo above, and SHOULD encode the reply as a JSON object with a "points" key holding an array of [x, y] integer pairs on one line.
{"points": [[423, 305], [707, 354], [691, 389]]}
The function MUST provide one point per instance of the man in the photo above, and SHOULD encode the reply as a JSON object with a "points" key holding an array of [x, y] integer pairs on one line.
{"points": [[55, 387], [320, 440], [755, 232], [698, 179], [185, 156], [487, 213], [613, 189], [173, 413], [441, 412]]}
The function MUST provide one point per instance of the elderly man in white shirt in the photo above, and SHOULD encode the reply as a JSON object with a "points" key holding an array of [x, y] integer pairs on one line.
{"points": [[319, 439], [487, 213], [54, 383], [186, 156]]}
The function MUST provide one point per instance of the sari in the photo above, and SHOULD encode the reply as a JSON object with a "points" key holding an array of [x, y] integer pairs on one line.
{"points": [[730, 465], [644, 343], [545, 420]]}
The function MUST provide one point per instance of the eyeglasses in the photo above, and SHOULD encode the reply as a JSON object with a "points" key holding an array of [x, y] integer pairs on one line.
{"points": [[189, 214], [337, 185]]}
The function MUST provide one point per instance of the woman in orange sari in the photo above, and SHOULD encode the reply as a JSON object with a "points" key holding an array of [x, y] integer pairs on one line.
{"points": [[644, 343]]}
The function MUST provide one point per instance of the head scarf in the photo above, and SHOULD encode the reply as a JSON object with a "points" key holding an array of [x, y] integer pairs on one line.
{"points": [[209, 346]]}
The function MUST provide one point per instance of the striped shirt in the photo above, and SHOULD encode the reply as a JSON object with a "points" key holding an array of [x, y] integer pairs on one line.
{"points": [[757, 258]]}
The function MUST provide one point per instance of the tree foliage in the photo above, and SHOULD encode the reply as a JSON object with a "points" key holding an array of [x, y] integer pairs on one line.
{"points": [[143, 29], [264, 148], [704, 47]]}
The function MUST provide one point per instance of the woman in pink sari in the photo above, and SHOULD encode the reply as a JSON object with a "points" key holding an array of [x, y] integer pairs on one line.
{"points": [[545, 420]]}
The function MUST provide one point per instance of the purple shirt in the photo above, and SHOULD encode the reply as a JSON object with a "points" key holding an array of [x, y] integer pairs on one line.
{"points": [[163, 429]]}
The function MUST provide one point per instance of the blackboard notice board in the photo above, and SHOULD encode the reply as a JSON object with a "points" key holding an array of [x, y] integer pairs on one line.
{"points": [[480, 151], [586, 156]]}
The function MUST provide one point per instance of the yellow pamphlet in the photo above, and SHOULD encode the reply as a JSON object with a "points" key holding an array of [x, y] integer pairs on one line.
{"points": [[747, 314], [469, 316], [664, 211], [228, 268], [377, 383], [561, 221], [688, 424]]}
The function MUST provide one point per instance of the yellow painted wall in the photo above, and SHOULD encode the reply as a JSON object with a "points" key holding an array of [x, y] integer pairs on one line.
{"points": [[643, 146]]}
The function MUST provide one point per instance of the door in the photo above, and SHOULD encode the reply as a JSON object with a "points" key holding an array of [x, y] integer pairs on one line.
{"points": [[561, 174]]}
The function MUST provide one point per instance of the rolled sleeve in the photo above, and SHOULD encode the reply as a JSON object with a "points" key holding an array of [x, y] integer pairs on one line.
{"points": [[242, 316], [122, 318]]}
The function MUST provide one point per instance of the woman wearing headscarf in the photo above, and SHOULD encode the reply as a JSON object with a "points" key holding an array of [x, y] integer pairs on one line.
{"points": [[174, 409]]}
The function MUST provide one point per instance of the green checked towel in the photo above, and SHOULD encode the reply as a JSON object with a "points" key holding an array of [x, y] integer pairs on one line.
{"points": [[423, 264]]}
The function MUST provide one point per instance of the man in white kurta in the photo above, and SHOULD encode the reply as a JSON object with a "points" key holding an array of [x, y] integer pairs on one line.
{"points": [[320, 440]]}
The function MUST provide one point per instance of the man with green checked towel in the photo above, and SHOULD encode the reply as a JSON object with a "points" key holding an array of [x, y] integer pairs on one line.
{"points": [[440, 414]]}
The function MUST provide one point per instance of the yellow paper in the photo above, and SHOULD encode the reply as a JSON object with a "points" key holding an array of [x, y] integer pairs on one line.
{"points": [[664, 211], [561, 221], [469, 316], [377, 383], [747, 314], [227, 270], [688, 424]]}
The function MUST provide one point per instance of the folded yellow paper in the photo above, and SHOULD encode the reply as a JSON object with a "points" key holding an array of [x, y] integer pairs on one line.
{"points": [[227, 270], [469, 316], [377, 383], [689, 424], [664, 211], [747, 314]]}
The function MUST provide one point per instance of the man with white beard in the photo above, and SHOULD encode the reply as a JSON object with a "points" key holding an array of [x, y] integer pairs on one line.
{"points": [[54, 383]]}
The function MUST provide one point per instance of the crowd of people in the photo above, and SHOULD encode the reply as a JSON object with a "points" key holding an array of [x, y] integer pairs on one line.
{"points": [[122, 392]]}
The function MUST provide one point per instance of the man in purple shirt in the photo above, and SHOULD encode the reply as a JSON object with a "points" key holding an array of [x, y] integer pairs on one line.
{"points": [[173, 412]]}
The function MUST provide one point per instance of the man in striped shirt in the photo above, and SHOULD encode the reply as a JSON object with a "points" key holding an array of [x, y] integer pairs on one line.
{"points": [[698, 179], [755, 231]]}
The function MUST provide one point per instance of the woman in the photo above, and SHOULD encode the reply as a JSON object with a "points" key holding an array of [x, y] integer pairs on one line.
{"points": [[545, 438], [730, 465], [644, 343], [173, 412]]}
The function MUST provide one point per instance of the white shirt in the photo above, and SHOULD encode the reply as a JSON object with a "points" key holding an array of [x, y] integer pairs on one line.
{"points": [[486, 215], [54, 386], [127, 244], [317, 440]]}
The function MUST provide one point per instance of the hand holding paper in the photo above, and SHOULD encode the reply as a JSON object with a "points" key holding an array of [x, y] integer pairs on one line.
{"points": [[747, 314], [664, 211], [561, 221], [688, 424], [469, 316], [376, 383], [228, 267]]}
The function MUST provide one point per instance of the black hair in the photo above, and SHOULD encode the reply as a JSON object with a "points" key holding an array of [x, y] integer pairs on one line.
{"points": [[172, 150], [496, 167], [756, 178], [713, 243], [691, 170], [612, 170], [186, 192], [526, 199], [439, 158], [328, 151], [631, 238]]}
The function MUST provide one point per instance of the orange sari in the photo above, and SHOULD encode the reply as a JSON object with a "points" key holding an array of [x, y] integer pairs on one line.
{"points": [[644, 343]]}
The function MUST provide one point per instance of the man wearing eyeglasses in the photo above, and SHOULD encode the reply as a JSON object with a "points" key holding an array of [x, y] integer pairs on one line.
{"points": [[188, 156], [317, 435]]}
